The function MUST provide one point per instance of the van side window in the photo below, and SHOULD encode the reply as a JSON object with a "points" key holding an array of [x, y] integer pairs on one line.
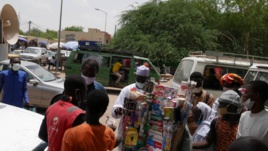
{"points": [[213, 74], [78, 58], [183, 71]]}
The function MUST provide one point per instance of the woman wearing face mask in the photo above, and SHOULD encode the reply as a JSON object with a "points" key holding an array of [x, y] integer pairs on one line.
{"points": [[14, 84], [142, 74], [223, 129], [203, 115], [255, 122], [89, 71], [230, 81]]}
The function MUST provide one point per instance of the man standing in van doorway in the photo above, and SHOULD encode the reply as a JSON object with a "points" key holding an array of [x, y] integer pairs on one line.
{"points": [[199, 95], [115, 70]]}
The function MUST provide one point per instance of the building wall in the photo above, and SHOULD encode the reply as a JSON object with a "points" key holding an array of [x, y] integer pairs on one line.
{"points": [[92, 34]]}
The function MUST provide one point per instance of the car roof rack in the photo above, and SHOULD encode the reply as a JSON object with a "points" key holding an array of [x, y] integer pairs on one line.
{"points": [[218, 56]]}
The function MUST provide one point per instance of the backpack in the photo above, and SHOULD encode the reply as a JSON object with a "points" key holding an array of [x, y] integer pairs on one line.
{"points": [[207, 97]]}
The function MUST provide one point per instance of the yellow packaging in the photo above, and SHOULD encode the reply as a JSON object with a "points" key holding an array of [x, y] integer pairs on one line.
{"points": [[131, 137]]}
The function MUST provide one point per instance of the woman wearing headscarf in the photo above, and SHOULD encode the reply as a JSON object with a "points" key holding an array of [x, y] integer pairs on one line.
{"points": [[203, 115], [223, 129], [229, 81]]}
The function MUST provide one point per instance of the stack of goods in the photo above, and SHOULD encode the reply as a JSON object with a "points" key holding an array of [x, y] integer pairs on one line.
{"points": [[153, 120], [135, 123], [161, 118]]}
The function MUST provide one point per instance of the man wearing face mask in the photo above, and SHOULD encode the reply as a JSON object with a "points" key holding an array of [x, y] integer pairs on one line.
{"points": [[254, 122], [89, 71], [142, 73], [64, 114], [223, 129], [14, 84], [200, 95]]}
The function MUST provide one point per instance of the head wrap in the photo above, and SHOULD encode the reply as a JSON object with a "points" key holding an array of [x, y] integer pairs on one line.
{"points": [[208, 113], [231, 79]]}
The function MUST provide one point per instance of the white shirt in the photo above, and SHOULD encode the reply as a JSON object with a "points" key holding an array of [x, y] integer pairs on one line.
{"points": [[120, 103], [200, 135], [254, 125]]}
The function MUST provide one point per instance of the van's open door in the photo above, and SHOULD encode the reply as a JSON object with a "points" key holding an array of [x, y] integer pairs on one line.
{"points": [[104, 69]]}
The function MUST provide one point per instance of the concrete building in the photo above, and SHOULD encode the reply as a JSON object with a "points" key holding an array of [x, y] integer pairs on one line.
{"points": [[93, 34]]}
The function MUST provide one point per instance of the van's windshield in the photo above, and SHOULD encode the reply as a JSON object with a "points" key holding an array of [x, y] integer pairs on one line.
{"points": [[183, 71], [255, 75]]}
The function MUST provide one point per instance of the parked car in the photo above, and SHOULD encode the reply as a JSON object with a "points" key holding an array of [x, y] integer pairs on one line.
{"points": [[19, 128], [43, 86], [15, 53], [50, 54], [35, 54]]}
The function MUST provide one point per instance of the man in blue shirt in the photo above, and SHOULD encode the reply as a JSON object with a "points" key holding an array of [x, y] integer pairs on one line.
{"points": [[14, 84]]}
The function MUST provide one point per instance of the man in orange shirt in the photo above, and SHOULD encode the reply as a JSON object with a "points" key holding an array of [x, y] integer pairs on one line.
{"points": [[91, 135]]}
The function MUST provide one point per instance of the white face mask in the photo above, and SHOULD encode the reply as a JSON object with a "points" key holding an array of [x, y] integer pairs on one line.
{"points": [[139, 85], [248, 103], [198, 90], [15, 66], [89, 80]]}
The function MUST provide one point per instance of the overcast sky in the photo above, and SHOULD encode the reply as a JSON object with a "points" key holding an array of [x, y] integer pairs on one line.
{"points": [[45, 14]]}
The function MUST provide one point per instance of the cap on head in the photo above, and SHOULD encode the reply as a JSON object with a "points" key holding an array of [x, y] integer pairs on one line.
{"points": [[230, 97], [142, 71], [196, 75]]}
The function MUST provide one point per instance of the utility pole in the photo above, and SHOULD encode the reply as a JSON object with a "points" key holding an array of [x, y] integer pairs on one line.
{"points": [[115, 29], [29, 28]]}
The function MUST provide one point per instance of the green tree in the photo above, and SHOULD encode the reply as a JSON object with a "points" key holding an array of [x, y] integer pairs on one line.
{"points": [[74, 28], [165, 31], [50, 34], [36, 32]]}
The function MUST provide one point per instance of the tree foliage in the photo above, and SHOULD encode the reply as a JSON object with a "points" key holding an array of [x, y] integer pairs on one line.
{"points": [[74, 28], [167, 31]]}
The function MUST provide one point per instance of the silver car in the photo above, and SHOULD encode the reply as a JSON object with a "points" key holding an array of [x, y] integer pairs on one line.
{"points": [[43, 86], [35, 54]]}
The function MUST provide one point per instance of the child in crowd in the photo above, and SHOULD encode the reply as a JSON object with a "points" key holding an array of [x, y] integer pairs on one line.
{"points": [[91, 135]]}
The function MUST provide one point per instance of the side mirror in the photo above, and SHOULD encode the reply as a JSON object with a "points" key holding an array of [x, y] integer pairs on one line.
{"points": [[33, 81]]}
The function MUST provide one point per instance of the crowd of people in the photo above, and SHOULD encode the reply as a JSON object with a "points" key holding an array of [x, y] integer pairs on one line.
{"points": [[234, 121]]}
